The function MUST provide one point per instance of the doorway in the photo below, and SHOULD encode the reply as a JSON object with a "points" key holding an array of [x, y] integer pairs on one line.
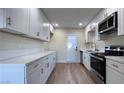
{"points": [[72, 55]]}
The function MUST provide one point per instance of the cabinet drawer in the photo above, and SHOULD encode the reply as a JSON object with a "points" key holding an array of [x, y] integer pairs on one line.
{"points": [[33, 66], [115, 65], [45, 58]]}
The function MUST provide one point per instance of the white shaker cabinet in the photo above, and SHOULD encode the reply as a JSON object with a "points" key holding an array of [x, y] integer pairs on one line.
{"points": [[15, 20], [120, 21], [36, 72], [39, 25], [88, 37], [114, 72], [86, 60], [45, 33], [31, 22], [35, 22], [12, 74], [109, 11]]}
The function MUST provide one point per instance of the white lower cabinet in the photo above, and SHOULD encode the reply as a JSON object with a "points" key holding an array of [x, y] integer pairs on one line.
{"points": [[36, 72], [114, 72], [114, 77], [12, 74], [86, 60]]}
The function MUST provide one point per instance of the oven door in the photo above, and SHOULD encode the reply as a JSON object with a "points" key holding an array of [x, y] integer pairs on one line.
{"points": [[98, 66]]}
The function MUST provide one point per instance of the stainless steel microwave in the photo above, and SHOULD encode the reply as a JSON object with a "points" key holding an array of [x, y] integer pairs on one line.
{"points": [[109, 24]]}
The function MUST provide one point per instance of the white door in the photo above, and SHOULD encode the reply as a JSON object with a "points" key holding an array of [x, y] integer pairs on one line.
{"points": [[72, 55]]}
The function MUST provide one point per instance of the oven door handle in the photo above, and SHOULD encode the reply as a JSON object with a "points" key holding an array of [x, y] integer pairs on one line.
{"points": [[101, 59]]}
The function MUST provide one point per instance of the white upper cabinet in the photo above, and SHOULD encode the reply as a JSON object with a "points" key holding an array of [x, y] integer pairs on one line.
{"points": [[121, 21], [45, 33], [39, 24], [15, 20], [35, 22], [109, 11], [89, 33], [51, 28], [28, 22]]}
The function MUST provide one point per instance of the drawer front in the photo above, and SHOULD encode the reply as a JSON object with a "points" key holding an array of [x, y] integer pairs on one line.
{"points": [[34, 65], [115, 65], [53, 58]]}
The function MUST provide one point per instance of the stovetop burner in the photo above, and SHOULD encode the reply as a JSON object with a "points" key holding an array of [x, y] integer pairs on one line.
{"points": [[111, 51]]}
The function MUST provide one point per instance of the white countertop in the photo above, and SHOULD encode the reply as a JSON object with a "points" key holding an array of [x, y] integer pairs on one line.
{"points": [[116, 58], [27, 58]]}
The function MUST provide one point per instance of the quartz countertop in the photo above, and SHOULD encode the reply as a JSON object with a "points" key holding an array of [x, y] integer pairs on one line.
{"points": [[26, 59], [116, 58]]}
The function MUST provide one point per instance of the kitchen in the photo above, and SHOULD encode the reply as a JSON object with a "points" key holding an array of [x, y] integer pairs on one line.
{"points": [[57, 46]]}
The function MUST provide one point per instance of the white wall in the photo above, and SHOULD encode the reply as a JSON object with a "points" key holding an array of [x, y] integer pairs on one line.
{"points": [[58, 42], [9, 42]]}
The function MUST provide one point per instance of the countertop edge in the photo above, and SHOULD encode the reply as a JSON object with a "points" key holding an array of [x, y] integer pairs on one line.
{"points": [[41, 55], [119, 59]]}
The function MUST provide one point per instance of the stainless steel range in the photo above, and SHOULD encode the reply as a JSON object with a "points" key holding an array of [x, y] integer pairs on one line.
{"points": [[98, 62]]}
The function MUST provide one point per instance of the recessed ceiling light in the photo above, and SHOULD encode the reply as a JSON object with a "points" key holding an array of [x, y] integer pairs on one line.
{"points": [[80, 24], [56, 25]]}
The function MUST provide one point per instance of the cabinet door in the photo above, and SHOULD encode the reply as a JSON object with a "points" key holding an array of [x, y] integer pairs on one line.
{"points": [[35, 73], [34, 76], [109, 11], [17, 19], [12, 74], [113, 76], [46, 68], [86, 36], [88, 62], [53, 61], [35, 22], [1, 17], [121, 21], [45, 33], [84, 59]]}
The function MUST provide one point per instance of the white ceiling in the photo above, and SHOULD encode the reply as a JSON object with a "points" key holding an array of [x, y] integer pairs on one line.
{"points": [[70, 17]]}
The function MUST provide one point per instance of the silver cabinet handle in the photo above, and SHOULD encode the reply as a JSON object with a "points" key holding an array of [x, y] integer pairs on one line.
{"points": [[47, 37], [47, 65], [9, 20], [41, 70], [36, 65], [38, 33], [54, 59], [115, 65]]}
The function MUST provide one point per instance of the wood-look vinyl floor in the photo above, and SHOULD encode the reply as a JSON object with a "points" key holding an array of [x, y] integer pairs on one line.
{"points": [[70, 74]]}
